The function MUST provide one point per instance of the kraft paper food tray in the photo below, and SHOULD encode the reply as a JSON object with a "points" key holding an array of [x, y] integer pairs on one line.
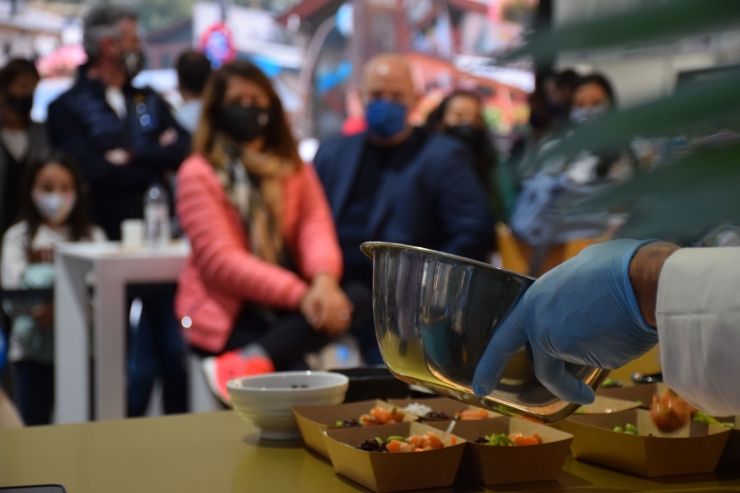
{"points": [[606, 405], [386, 472], [313, 420], [731, 454], [642, 393], [443, 404], [694, 449], [489, 465]]}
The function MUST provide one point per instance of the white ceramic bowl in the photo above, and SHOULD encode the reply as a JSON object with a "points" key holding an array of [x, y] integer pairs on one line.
{"points": [[266, 400]]}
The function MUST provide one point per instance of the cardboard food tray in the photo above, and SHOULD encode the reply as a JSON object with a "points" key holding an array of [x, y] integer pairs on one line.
{"points": [[693, 449], [489, 465], [387, 473], [606, 405], [440, 404], [731, 454], [641, 393], [313, 420]]}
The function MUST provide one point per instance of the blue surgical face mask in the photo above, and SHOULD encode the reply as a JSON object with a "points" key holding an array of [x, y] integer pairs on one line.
{"points": [[582, 115], [385, 118]]}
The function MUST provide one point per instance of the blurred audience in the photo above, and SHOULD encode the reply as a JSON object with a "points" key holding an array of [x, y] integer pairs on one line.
{"points": [[460, 115], [21, 140], [538, 219], [53, 209], [593, 97], [124, 138], [261, 288], [558, 89], [193, 69], [402, 184], [549, 114]]}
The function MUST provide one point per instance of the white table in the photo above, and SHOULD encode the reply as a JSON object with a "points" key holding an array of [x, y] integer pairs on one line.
{"points": [[113, 268]]}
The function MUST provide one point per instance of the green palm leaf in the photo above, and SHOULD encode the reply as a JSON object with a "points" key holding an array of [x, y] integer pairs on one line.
{"points": [[716, 101], [664, 20], [680, 200]]}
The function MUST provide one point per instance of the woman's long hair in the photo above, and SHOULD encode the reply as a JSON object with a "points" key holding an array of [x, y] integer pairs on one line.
{"points": [[79, 219], [278, 158], [209, 139]]}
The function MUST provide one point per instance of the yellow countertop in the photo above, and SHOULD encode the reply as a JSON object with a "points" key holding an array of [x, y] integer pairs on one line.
{"points": [[219, 453]]}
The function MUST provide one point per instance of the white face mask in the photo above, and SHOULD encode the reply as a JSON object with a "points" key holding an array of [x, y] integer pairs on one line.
{"points": [[581, 115], [54, 207]]}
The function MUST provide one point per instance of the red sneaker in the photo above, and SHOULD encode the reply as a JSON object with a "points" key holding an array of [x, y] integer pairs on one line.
{"points": [[220, 369]]}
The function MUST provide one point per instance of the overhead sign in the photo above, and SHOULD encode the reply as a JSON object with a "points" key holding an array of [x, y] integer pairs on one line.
{"points": [[217, 44]]}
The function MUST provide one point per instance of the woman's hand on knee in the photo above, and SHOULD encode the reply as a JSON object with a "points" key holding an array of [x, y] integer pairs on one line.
{"points": [[326, 307]]}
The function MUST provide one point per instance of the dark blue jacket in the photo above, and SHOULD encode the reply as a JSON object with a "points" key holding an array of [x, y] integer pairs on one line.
{"points": [[81, 123], [433, 201]]}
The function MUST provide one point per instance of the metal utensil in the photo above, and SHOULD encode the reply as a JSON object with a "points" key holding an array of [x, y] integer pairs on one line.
{"points": [[434, 316], [642, 378]]}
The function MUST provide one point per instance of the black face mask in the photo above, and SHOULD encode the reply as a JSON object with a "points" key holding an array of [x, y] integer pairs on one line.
{"points": [[244, 123], [21, 106], [469, 134]]}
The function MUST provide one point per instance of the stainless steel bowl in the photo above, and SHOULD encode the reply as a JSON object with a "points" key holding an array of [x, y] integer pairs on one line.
{"points": [[434, 316]]}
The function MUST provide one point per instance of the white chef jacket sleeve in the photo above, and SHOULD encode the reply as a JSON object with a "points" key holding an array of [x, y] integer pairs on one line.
{"points": [[698, 314]]}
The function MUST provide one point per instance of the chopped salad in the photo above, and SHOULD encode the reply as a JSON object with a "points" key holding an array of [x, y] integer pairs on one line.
{"points": [[517, 439], [377, 416], [398, 444]]}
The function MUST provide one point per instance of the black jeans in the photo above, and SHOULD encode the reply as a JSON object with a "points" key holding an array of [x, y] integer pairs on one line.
{"points": [[34, 391], [156, 349], [287, 336]]}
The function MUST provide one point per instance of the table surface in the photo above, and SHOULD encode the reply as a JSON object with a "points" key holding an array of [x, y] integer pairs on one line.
{"points": [[217, 452]]}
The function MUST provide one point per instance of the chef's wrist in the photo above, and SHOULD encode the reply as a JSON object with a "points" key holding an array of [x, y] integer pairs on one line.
{"points": [[644, 272]]}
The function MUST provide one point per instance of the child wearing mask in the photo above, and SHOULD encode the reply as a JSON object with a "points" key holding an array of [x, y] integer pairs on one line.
{"points": [[53, 210]]}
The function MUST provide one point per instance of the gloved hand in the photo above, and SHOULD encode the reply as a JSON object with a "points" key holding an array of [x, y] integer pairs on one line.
{"points": [[584, 311]]}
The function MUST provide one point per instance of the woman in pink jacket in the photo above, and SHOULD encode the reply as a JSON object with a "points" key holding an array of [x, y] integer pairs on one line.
{"points": [[260, 289]]}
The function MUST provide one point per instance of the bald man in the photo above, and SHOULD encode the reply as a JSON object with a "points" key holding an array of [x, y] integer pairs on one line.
{"points": [[399, 183]]}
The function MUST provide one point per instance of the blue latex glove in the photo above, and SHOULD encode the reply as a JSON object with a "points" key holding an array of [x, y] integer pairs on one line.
{"points": [[584, 311], [3, 350]]}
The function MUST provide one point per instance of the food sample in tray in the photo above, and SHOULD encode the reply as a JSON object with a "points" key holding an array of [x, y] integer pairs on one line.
{"points": [[641, 448], [517, 439], [628, 429], [471, 415], [398, 444], [419, 409], [376, 417], [702, 417], [670, 412], [424, 411]]}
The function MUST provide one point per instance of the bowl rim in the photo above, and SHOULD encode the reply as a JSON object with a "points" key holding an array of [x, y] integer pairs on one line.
{"points": [[344, 381], [368, 247]]}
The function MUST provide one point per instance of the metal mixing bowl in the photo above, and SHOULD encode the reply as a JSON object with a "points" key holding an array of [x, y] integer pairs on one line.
{"points": [[434, 316]]}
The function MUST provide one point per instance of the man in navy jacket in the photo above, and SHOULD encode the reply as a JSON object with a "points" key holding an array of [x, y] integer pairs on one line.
{"points": [[123, 138], [401, 184], [398, 183]]}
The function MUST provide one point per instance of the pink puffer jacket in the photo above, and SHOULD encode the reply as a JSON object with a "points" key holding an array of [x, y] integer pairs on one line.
{"points": [[221, 273]]}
